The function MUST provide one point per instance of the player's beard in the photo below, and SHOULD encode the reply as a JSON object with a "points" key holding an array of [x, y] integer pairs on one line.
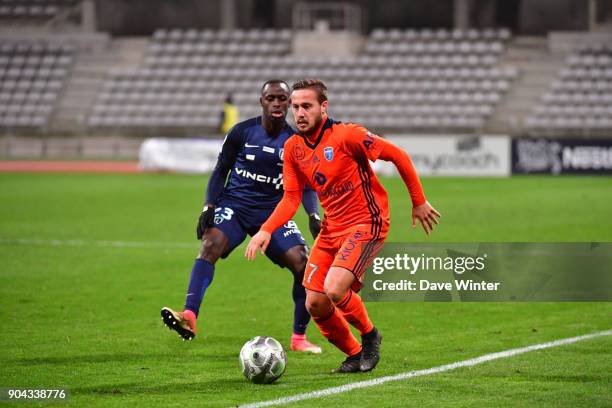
{"points": [[315, 126], [277, 119], [277, 123]]}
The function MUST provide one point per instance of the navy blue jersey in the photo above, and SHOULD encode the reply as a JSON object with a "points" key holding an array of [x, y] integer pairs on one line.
{"points": [[255, 160]]}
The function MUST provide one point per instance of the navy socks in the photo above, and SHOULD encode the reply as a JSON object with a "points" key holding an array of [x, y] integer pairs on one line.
{"points": [[201, 277], [300, 314]]}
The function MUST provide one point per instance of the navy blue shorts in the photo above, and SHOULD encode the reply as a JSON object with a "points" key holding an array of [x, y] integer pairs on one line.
{"points": [[236, 222]]}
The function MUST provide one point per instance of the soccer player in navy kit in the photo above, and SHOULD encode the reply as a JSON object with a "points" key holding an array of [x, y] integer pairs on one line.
{"points": [[252, 154]]}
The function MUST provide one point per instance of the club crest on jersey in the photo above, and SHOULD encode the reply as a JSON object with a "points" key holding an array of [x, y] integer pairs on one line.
{"points": [[298, 152], [281, 153], [328, 152], [320, 178]]}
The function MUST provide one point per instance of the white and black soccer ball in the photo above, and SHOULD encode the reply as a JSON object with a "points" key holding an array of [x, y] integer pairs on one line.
{"points": [[262, 360]]}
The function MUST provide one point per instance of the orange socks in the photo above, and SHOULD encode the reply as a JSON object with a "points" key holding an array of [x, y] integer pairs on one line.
{"points": [[335, 328], [355, 313]]}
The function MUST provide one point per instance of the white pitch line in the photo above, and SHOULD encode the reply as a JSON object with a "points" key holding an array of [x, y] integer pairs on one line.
{"points": [[108, 244], [428, 371]]}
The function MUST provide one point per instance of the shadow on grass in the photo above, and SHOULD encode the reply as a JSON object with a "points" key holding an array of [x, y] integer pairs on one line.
{"points": [[211, 387], [143, 359]]}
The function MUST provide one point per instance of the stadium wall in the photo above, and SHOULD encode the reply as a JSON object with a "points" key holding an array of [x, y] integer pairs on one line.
{"points": [[433, 155], [542, 16], [73, 148], [533, 17], [444, 155], [143, 17], [453, 155], [440, 155]]}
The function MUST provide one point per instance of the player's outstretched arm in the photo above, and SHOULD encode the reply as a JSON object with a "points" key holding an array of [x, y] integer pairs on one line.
{"points": [[217, 179], [421, 209], [216, 182], [283, 212]]}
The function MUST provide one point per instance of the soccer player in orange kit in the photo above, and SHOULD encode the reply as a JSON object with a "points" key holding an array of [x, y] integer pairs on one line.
{"points": [[333, 159]]}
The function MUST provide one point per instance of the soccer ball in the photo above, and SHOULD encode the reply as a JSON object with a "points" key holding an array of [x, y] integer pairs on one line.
{"points": [[262, 360]]}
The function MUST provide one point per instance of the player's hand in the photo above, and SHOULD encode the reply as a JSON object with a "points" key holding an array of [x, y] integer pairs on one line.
{"points": [[314, 224], [259, 241], [427, 215], [207, 220]]}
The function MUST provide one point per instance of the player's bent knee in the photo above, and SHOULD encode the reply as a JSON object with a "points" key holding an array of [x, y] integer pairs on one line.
{"points": [[317, 305], [337, 282], [296, 259], [209, 252], [334, 290], [312, 306], [212, 247], [335, 294]]}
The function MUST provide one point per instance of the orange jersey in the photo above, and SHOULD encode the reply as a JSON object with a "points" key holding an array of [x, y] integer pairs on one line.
{"points": [[337, 167]]}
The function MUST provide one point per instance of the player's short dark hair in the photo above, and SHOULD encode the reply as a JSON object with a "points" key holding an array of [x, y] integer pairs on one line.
{"points": [[315, 84], [274, 81]]}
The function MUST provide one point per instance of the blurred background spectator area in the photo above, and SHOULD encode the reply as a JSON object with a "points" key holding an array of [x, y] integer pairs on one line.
{"points": [[113, 69]]}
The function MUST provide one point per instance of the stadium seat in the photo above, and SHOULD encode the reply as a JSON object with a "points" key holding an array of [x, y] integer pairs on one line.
{"points": [[32, 75], [578, 99], [416, 67]]}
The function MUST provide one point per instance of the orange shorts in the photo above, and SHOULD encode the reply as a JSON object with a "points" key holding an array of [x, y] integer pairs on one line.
{"points": [[353, 250]]}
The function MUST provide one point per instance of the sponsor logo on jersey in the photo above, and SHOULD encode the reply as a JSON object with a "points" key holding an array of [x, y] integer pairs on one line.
{"points": [[336, 190], [290, 224], [368, 141], [290, 232], [320, 178], [328, 152], [250, 145], [277, 181], [292, 228], [268, 149], [350, 246], [250, 157]]}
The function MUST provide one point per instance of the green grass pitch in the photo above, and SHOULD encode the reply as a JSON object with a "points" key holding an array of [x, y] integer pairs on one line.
{"points": [[80, 311]]}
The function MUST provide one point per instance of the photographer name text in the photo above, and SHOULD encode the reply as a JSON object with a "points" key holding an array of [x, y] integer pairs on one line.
{"points": [[411, 265]]}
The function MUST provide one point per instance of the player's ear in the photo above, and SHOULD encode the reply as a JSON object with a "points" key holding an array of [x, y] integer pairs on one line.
{"points": [[261, 100], [324, 107]]}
